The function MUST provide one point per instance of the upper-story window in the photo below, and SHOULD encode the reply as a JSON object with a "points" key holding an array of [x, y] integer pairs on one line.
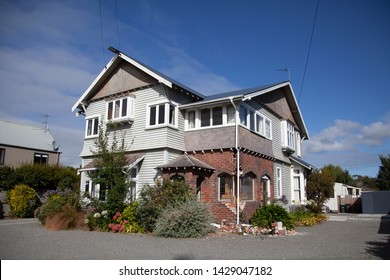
{"points": [[191, 119], [211, 116], [92, 126], [120, 109], [243, 115], [214, 116], [205, 117], [230, 114], [288, 133], [255, 121], [298, 144], [161, 114], [226, 115]]}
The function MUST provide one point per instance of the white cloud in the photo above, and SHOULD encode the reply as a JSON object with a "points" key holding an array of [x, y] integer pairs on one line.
{"points": [[347, 135], [350, 144]]}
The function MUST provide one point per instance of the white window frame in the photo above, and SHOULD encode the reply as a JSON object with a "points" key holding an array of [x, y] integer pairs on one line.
{"points": [[298, 149], [288, 135], [261, 124], [244, 119], [95, 121], [232, 121], [133, 191], [198, 118], [251, 121], [278, 181], [167, 115], [129, 109]]}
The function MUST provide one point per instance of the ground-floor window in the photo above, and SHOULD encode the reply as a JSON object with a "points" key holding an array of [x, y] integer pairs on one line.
{"points": [[247, 186], [2, 156], [41, 158], [226, 186]]}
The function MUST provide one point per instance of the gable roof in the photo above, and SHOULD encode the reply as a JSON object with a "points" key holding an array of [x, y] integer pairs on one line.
{"points": [[26, 136], [113, 64], [249, 93]]}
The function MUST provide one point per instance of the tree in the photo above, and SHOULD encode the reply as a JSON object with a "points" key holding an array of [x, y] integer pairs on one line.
{"points": [[338, 174], [365, 181], [319, 188], [110, 160], [383, 178]]}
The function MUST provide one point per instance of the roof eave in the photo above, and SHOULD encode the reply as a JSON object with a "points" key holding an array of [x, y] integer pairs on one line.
{"points": [[292, 101], [106, 70], [211, 102]]}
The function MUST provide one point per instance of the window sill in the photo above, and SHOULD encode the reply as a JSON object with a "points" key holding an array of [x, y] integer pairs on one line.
{"points": [[161, 126], [91, 137], [120, 121]]}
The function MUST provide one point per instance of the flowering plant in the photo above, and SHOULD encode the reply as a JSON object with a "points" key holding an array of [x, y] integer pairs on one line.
{"points": [[126, 221], [98, 221]]}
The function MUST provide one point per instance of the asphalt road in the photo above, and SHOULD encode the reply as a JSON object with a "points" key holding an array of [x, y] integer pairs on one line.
{"points": [[341, 237]]}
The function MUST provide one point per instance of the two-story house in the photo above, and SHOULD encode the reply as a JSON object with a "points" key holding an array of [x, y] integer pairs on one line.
{"points": [[238, 150]]}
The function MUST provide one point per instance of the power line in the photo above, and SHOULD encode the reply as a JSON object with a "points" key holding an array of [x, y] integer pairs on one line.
{"points": [[308, 51], [117, 26], [101, 28]]}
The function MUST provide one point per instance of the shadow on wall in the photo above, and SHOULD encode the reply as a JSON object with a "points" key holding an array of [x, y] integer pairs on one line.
{"points": [[381, 248]]}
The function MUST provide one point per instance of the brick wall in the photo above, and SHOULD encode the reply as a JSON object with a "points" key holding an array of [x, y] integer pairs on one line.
{"points": [[225, 162]]}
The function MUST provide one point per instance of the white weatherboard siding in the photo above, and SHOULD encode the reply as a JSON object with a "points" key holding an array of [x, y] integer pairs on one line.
{"points": [[286, 177]]}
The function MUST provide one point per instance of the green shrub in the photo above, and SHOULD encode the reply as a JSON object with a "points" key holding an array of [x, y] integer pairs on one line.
{"points": [[22, 201], [268, 214], [302, 217], [183, 220], [127, 221], [55, 201], [153, 200], [7, 177], [47, 177]]}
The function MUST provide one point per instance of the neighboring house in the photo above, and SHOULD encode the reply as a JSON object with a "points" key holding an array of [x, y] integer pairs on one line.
{"points": [[20, 143], [345, 199], [247, 140]]}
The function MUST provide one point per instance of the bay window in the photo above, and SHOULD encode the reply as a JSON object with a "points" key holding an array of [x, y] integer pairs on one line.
{"points": [[120, 109], [288, 135], [161, 114]]}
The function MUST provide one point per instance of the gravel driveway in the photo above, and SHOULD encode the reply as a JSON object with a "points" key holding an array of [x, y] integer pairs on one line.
{"points": [[341, 237]]}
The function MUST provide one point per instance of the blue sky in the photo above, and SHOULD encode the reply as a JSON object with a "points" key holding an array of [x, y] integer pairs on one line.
{"points": [[50, 51]]}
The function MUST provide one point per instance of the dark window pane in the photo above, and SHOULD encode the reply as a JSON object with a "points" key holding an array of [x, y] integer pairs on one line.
{"points": [[124, 107], [161, 114], [217, 116], [152, 120], [109, 111], [205, 117]]}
